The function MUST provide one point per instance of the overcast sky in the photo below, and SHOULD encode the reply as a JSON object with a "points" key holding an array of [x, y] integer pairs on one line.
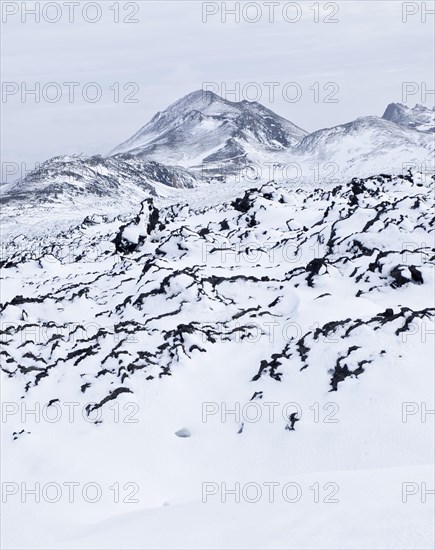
{"points": [[174, 48]]}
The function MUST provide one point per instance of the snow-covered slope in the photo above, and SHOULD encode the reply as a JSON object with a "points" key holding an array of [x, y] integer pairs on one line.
{"points": [[205, 129], [366, 146], [64, 190], [67, 179], [277, 302], [419, 117]]}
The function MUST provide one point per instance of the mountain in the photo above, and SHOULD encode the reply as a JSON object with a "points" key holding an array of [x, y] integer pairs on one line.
{"points": [[65, 189], [212, 136], [203, 138], [69, 177], [418, 118], [367, 145], [202, 129]]}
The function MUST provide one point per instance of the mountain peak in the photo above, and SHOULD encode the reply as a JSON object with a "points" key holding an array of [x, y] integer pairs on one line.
{"points": [[419, 117], [203, 127], [393, 108], [197, 99]]}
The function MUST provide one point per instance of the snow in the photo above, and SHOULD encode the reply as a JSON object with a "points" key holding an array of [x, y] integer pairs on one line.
{"points": [[239, 358], [206, 325], [419, 117]]}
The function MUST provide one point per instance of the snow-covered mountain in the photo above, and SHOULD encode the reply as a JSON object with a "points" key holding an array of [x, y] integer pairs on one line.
{"points": [[210, 135], [368, 145], [203, 129], [64, 190], [71, 178], [204, 138], [419, 117], [267, 336]]}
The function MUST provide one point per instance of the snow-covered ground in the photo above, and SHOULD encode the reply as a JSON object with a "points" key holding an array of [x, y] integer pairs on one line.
{"points": [[167, 352]]}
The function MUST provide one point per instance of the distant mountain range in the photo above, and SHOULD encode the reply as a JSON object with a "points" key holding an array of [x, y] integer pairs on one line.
{"points": [[203, 137]]}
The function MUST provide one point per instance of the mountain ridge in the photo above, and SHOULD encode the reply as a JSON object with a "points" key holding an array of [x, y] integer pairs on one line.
{"points": [[419, 118], [201, 124], [204, 138]]}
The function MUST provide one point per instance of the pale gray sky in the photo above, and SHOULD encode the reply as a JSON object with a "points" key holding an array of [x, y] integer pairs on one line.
{"points": [[367, 56]]}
